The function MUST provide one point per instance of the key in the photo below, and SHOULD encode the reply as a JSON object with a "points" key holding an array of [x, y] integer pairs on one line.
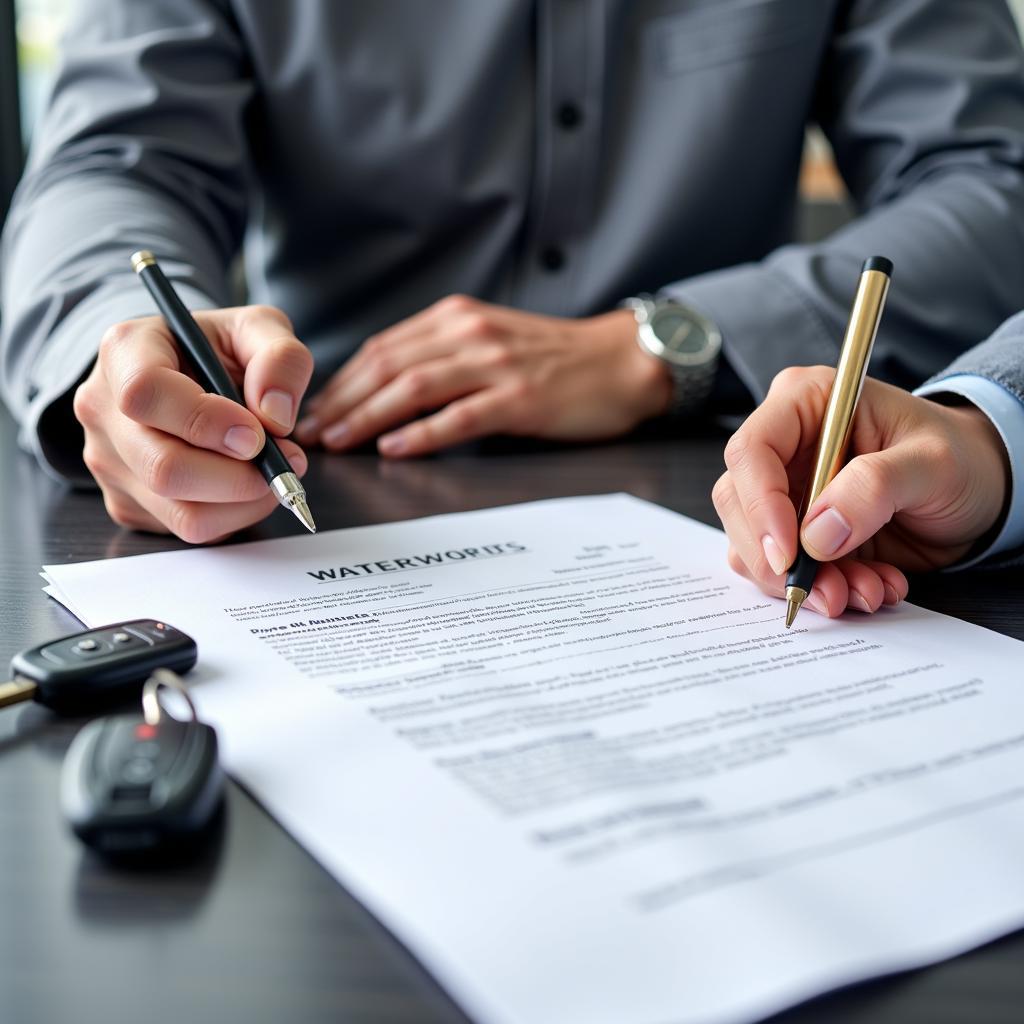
{"points": [[143, 786], [98, 667]]}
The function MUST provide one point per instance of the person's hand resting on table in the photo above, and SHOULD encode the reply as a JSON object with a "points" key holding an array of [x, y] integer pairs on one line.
{"points": [[168, 456], [463, 369], [922, 483]]}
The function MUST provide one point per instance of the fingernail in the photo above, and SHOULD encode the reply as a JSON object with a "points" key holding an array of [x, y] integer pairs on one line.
{"points": [[307, 426], [816, 602], [826, 532], [392, 444], [278, 406], [891, 596], [859, 601], [242, 441], [335, 433], [772, 551]]}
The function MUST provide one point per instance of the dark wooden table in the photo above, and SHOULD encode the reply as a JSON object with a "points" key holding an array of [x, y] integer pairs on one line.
{"points": [[256, 931]]}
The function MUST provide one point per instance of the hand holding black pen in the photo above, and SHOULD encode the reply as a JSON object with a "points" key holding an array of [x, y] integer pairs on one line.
{"points": [[198, 352], [170, 455]]}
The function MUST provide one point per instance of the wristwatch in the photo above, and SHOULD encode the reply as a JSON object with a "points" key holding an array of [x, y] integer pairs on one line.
{"points": [[686, 341]]}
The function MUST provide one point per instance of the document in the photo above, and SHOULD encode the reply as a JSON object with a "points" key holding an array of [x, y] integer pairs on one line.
{"points": [[583, 772]]}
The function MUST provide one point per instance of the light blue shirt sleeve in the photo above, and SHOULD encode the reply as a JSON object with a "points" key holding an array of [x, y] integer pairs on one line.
{"points": [[1006, 412]]}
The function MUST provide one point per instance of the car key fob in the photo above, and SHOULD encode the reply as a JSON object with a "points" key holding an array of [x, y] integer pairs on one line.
{"points": [[133, 786], [98, 667]]}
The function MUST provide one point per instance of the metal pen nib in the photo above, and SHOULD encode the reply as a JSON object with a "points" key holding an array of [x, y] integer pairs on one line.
{"points": [[302, 513], [795, 597], [292, 495]]}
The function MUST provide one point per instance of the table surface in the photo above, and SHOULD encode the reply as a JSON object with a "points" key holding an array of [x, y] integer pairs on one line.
{"points": [[256, 930]]}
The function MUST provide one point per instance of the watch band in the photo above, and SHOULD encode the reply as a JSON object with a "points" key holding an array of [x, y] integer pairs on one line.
{"points": [[691, 387]]}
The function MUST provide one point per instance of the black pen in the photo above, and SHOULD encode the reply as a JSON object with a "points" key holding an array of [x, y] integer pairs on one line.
{"points": [[209, 370], [842, 404]]}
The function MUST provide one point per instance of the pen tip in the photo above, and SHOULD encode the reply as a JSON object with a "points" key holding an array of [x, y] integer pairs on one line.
{"points": [[795, 597], [291, 494], [302, 513]]}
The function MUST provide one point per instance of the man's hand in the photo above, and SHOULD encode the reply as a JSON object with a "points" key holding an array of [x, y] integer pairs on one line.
{"points": [[463, 369], [167, 455], [924, 481]]}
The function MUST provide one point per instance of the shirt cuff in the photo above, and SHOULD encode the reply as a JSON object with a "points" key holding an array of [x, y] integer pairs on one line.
{"points": [[766, 324], [1006, 412], [48, 429]]}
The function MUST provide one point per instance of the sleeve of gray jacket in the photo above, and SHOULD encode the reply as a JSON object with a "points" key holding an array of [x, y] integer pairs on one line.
{"points": [[923, 102], [124, 159], [1000, 359]]}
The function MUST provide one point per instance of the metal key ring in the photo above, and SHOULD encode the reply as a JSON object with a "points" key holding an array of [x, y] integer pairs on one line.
{"points": [[152, 709]]}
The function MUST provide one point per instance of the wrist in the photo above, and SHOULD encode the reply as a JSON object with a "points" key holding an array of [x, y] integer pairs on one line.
{"points": [[646, 379], [989, 466]]}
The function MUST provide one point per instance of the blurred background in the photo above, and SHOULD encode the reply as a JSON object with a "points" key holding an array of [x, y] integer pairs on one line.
{"points": [[30, 31]]}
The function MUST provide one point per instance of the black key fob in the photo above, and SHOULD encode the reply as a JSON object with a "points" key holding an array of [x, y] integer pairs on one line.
{"points": [[103, 666], [135, 786]]}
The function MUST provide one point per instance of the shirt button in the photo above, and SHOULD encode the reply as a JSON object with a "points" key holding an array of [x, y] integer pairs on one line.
{"points": [[552, 258], [569, 116]]}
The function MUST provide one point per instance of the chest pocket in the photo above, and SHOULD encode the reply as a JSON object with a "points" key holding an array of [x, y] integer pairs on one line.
{"points": [[708, 33]]}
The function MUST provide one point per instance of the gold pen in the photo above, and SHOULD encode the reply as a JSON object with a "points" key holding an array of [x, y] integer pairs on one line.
{"points": [[842, 404]]}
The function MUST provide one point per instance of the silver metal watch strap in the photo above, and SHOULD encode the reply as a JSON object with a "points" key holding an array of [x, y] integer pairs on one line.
{"points": [[692, 387]]}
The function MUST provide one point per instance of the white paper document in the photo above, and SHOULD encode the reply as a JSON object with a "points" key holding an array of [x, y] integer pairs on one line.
{"points": [[583, 771]]}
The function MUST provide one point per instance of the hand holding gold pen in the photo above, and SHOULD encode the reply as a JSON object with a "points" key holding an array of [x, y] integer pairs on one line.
{"points": [[842, 405], [926, 483]]}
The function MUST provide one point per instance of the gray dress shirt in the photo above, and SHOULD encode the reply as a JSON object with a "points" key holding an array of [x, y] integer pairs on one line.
{"points": [[555, 155]]}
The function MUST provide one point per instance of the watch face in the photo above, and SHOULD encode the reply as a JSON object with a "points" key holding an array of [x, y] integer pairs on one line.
{"points": [[679, 332], [687, 342]]}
